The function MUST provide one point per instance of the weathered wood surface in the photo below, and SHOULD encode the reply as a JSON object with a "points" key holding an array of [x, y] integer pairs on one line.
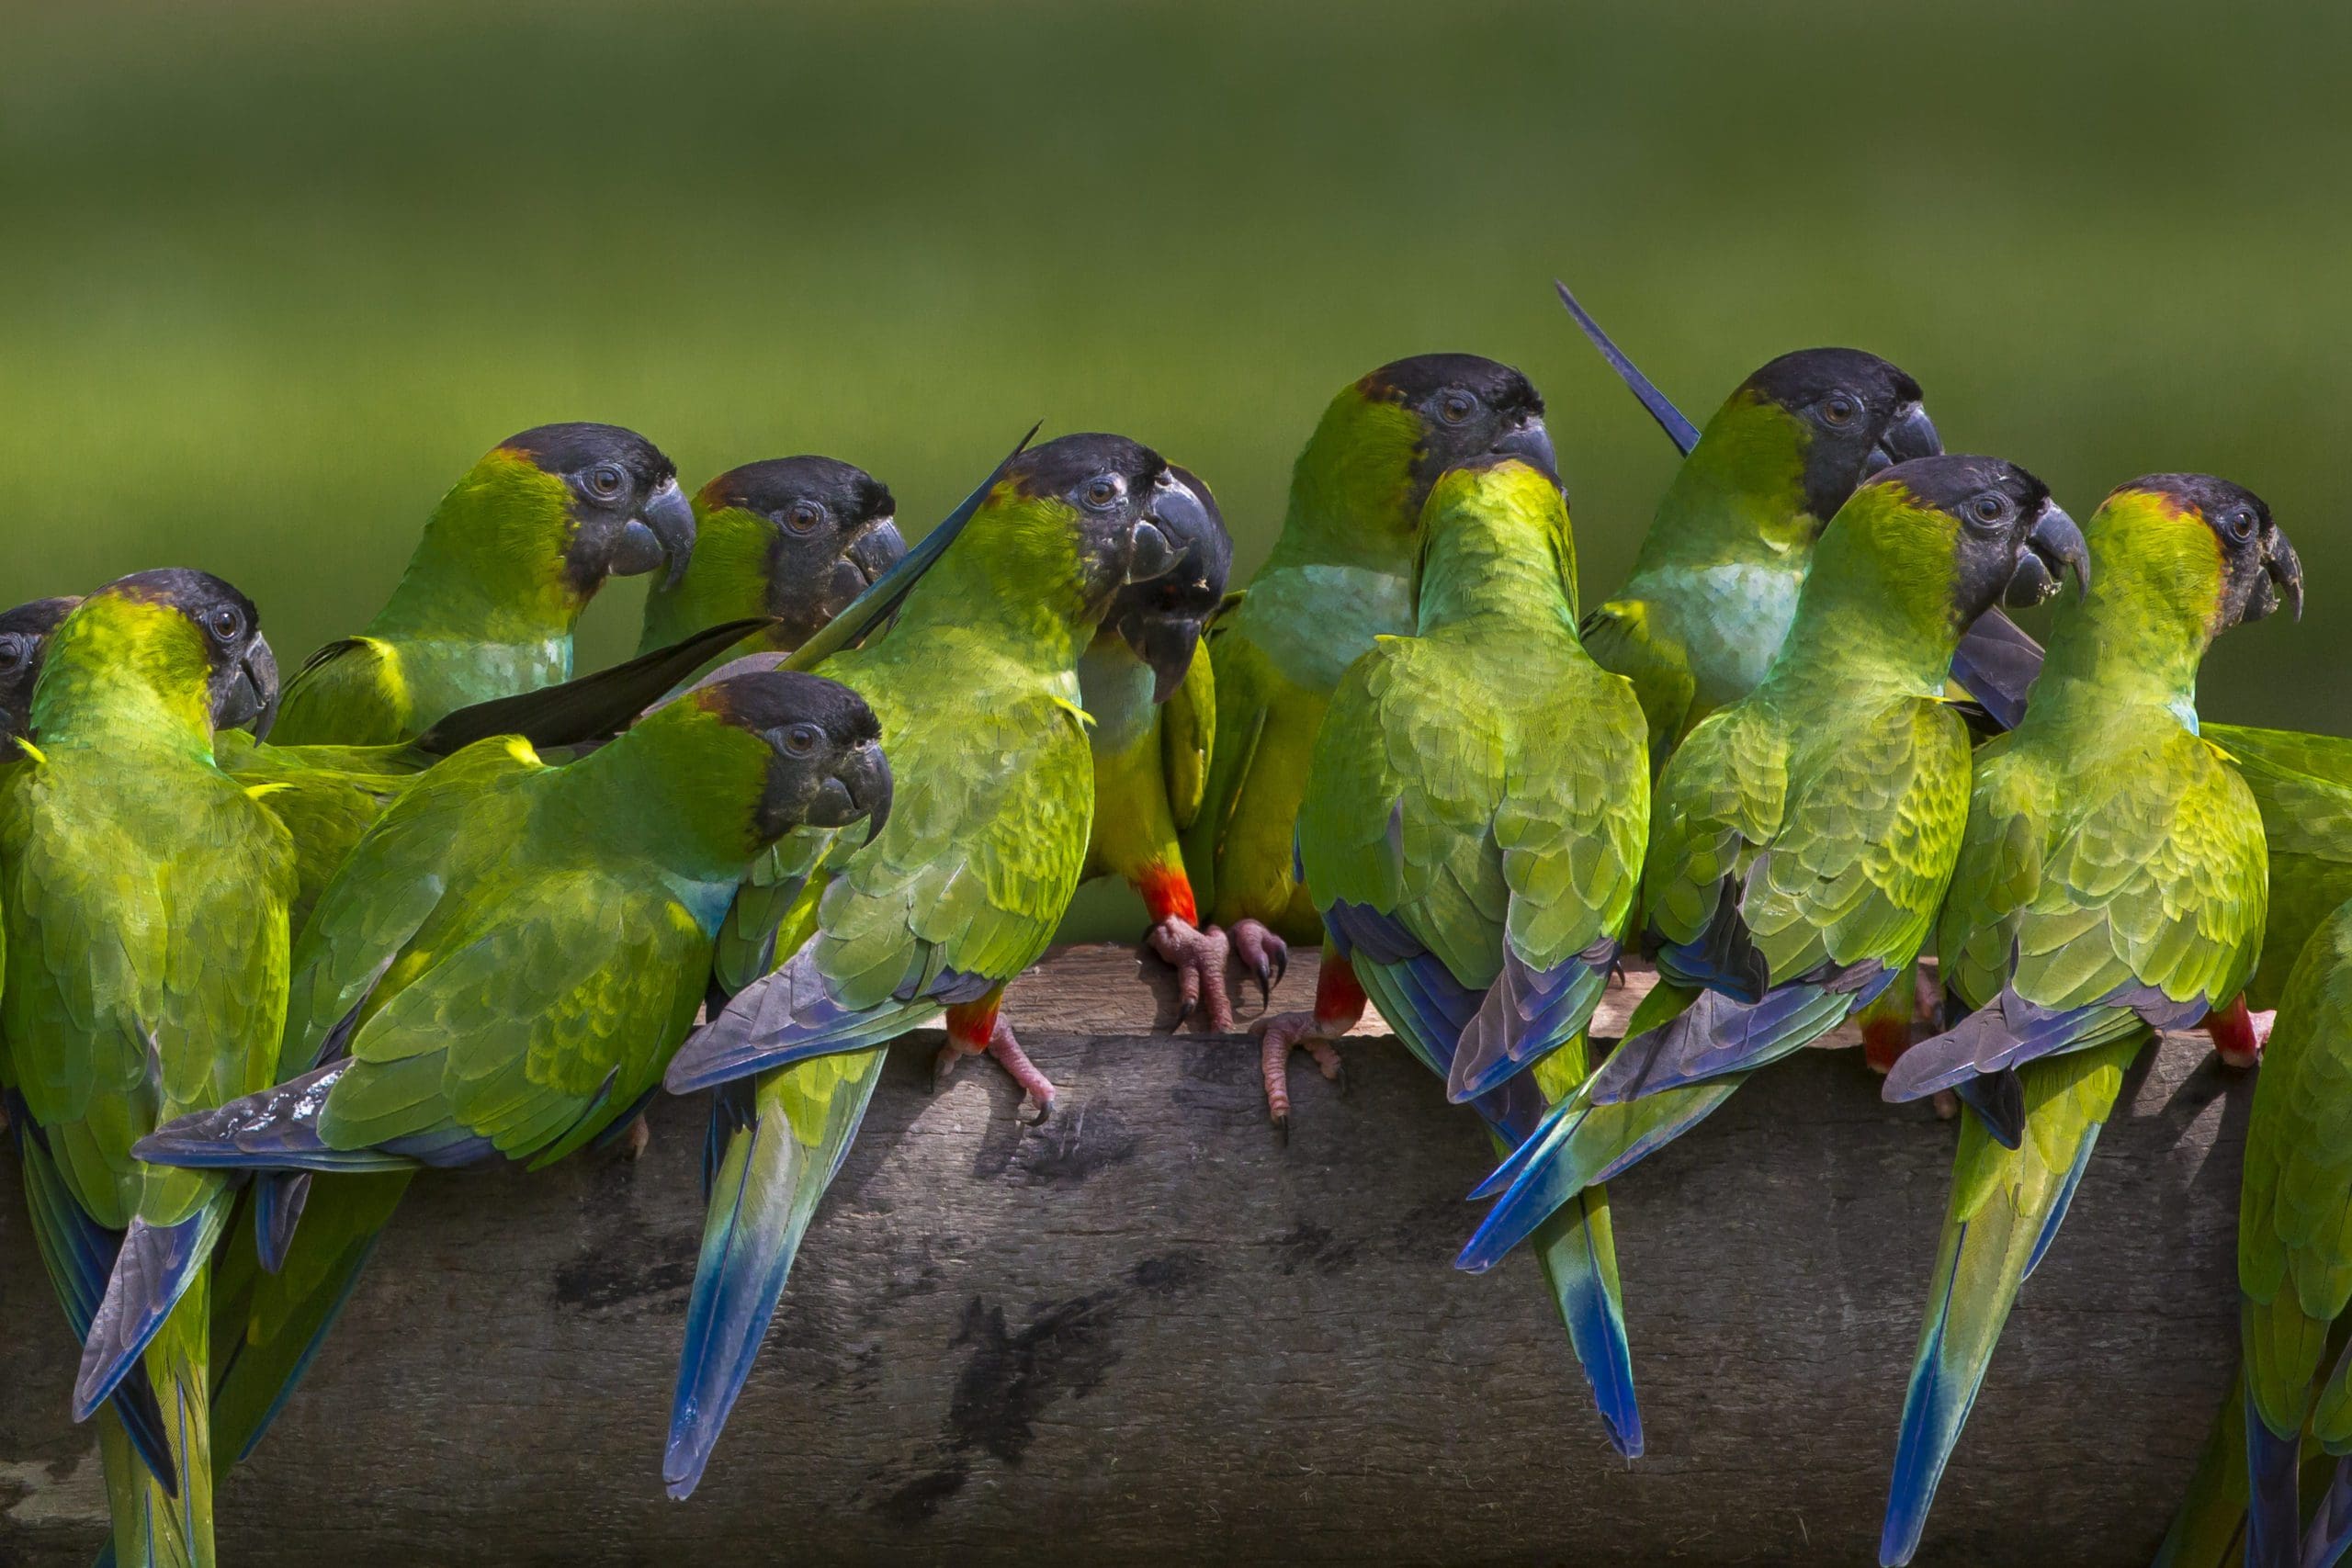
{"points": [[1153, 1333]]}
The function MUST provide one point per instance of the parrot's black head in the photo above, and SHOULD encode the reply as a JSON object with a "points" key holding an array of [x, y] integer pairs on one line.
{"points": [[1466, 407], [1161, 617], [628, 515], [1136, 521], [825, 768], [2259, 567], [832, 529], [1860, 414], [24, 638], [241, 672], [2011, 539]]}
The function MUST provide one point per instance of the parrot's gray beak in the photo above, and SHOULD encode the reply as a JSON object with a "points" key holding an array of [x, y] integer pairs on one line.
{"points": [[871, 554], [1530, 442], [2054, 545], [878, 549], [866, 776], [2282, 577], [661, 533], [1166, 644], [1912, 434], [1171, 521], [249, 698]]}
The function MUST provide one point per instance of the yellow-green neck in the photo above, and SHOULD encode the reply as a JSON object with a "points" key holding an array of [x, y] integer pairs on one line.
{"points": [[125, 670], [1015, 580], [1352, 494], [727, 580], [2144, 624], [491, 565], [1738, 496], [1497, 549], [1876, 609]]}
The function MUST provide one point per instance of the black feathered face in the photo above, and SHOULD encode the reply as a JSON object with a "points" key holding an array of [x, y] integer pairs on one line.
{"points": [[1136, 519], [242, 682], [2259, 566], [826, 768], [832, 530], [1162, 617], [24, 638], [2011, 539], [629, 514], [1860, 413], [1468, 406]]}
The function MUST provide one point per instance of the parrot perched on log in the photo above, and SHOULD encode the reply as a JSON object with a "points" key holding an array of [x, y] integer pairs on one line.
{"points": [[508, 561], [1337, 577], [1472, 830], [1801, 837], [834, 951], [2113, 882], [145, 898], [500, 972], [790, 540], [1153, 703]]}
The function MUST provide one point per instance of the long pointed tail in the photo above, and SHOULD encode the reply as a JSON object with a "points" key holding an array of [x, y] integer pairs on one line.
{"points": [[269, 1327], [2274, 1517], [2331, 1531], [1578, 1248], [2005, 1205], [152, 1528], [764, 1192]]}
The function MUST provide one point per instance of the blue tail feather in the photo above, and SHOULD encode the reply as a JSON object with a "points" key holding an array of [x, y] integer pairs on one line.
{"points": [[278, 1200], [2058, 1208], [1582, 1287], [1717, 1034], [2331, 1529], [2273, 1519], [1933, 1411], [790, 1014], [154, 1268]]}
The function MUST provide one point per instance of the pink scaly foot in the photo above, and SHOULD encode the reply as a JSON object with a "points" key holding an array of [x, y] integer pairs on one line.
{"points": [[1263, 953], [1339, 1003], [974, 1028], [1198, 957], [2239, 1034]]}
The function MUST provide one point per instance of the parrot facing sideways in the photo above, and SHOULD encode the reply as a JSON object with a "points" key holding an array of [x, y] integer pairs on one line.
{"points": [[1472, 831], [1801, 837], [508, 561], [2111, 882], [501, 969], [793, 540], [833, 953], [1153, 703], [24, 640], [145, 895], [1337, 577]]}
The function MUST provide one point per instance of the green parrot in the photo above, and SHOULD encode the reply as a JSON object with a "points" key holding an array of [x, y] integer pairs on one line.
{"points": [[144, 895], [1153, 705], [508, 561], [1473, 829], [1337, 577], [792, 540], [831, 954], [2113, 882], [501, 971], [1802, 836]]}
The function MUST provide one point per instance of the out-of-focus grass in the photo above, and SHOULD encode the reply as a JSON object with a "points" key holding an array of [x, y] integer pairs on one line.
{"points": [[272, 275]]}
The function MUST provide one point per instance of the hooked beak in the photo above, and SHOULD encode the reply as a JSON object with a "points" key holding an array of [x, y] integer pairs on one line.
{"points": [[1912, 434], [1530, 442], [866, 776], [1166, 644], [662, 531], [2284, 572], [871, 554], [2054, 545], [250, 701], [1173, 520]]}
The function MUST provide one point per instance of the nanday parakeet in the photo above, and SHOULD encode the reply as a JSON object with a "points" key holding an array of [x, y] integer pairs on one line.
{"points": [[509, 560], [1336, 578], [2112, 879], [833, 951], [1801, 837], [1472, 830], [145, 895]]}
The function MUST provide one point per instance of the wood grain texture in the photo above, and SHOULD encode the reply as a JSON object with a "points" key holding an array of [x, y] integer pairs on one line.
{"points": [[1153, 1333]]}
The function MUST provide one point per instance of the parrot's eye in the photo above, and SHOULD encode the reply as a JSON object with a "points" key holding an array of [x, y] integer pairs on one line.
{"points": [[802, 740], [803, 517], [12, 651], [1839, 408], [605, 480], [1989, 507], [1457, 407], [226, 624], [2240, 524], [1104, 490]]}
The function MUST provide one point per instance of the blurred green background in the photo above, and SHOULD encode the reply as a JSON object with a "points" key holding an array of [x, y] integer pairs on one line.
{"points": [[273, 274]]}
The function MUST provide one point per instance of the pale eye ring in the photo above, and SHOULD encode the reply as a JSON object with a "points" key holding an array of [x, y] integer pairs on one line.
{"points": [[1839, 408], [1104, 490], [227, 623], [606, 481], [2241, 524], [1989, 507], [1457, 407], [12, 651], [803, 517]]}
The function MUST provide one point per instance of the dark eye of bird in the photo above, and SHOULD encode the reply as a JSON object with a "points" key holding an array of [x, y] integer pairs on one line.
{"points": [[605, 480], [800, 739], [2241, 525], [1101, 491], [1839, 408], [803, 516], [226, 623], [1989, 507], [1457, 407], [12, 652]]}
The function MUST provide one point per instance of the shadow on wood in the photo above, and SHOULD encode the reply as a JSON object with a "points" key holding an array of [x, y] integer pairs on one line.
{"points": [[1152, 1332]]}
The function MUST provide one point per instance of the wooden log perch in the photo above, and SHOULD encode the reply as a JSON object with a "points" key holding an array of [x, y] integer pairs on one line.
{"points": [[1151, 1332]]}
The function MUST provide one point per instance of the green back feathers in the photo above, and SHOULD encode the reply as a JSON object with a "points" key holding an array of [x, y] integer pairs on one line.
{"points": [[1496, 537]]}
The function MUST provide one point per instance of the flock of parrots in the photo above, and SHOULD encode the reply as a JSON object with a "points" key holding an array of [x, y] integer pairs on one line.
{"points": [[456, 906]]}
